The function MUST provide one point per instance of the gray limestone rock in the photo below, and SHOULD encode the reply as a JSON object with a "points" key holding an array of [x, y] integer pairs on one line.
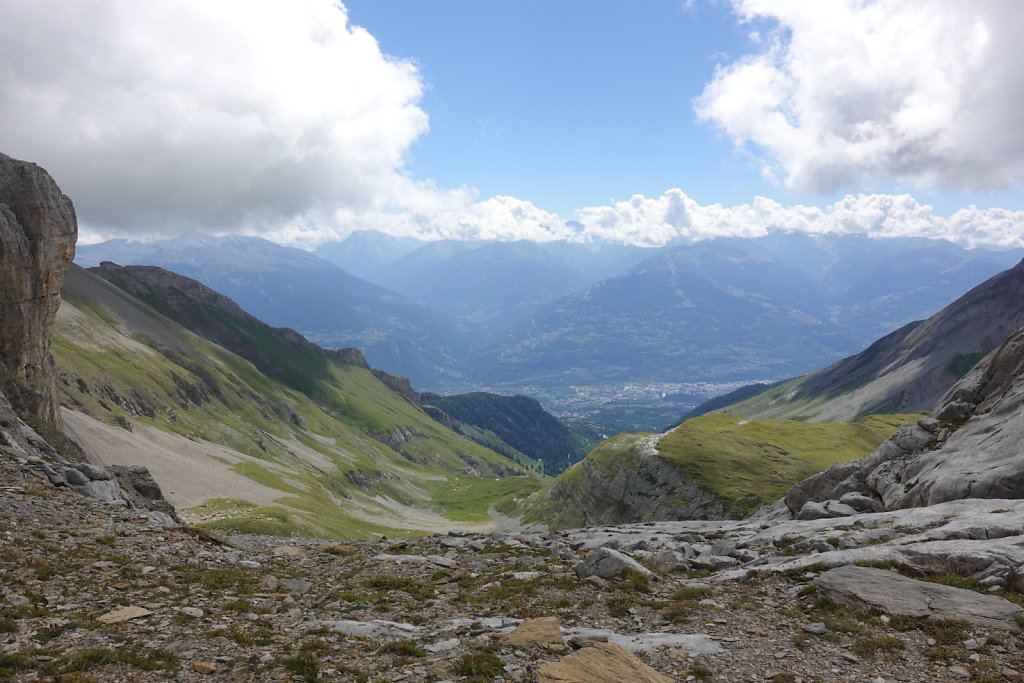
{"points": [[862, 503], [607, 563], [714, 563], [891, 593], [94, 472], [667, 561], [825, 510], [75, 477]]}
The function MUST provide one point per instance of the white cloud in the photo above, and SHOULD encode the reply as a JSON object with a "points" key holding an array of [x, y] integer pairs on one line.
{"points": [[675, 218], [190, 114], [846, 93], [672, 218]]}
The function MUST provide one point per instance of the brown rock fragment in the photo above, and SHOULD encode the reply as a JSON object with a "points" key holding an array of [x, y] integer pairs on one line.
{"points": [[543, 631], [126, 614], [602, 663]]}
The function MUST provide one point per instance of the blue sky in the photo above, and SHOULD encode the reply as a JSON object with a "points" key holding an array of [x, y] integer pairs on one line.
{"points": [[567, 104], [580, 102], [651, 122]]}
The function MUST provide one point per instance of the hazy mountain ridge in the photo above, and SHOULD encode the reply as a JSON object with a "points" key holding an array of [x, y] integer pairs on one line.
{"points": [[730, 310], [907, 370]]}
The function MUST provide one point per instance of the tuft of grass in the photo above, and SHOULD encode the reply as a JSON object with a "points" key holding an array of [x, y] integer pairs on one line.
{"points": [[402, 648], [259, 636], [418, 590], [479, 667], [633, 582], [305, 664], [692, 593], [151, 660], [245, 606], [870, 647]]}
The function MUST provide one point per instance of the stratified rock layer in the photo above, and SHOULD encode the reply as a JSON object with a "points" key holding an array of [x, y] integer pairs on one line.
{"points": [[37, 235]]}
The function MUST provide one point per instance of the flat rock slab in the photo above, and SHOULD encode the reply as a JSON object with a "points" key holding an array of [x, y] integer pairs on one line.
{"points": [[892, 593], [126, 614], [543, 631], [601, 663], [373, 629], [692, 643]]}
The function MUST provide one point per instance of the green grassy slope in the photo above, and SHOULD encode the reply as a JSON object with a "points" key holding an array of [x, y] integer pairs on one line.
{"points": [[711, 466], [516, 426], [340, 450], [752, 462]]}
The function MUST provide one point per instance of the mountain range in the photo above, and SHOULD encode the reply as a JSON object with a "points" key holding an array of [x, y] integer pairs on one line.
{"points": [[505, 317]]}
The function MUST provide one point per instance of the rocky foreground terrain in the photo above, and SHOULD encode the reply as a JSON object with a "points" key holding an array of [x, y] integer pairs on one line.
{"points": [[96, 591]]}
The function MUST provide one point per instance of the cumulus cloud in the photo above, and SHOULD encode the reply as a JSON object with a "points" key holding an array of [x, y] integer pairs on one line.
{"points": [[189, 114], [672, 218], [845, 93], [675, 218]]}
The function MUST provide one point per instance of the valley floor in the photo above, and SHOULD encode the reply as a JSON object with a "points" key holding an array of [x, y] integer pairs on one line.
{"points": [[444, 607]]}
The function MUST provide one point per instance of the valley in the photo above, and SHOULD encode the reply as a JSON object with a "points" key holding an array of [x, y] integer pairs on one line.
{"points": [[603, 332], [364, 341]]}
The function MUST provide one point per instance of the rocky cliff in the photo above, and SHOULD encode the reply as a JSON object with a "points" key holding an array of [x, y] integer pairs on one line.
{"points": [[625, 480], [971, 448], [37, 232]]}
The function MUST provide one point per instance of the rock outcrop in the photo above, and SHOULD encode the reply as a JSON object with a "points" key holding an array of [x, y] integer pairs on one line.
{"points": [[633, 484], [38, 230], [971, 449]]}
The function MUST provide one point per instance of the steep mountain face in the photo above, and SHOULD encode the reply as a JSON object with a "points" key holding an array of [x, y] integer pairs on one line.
{"points": [[711, 467], [514, 426], [292, 288], [37, 234], [909, 369], [485, 286], [971, 448], [297, 440]]}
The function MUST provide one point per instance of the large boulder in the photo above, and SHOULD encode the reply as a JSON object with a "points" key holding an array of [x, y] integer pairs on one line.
{"points": [[607, 563]]}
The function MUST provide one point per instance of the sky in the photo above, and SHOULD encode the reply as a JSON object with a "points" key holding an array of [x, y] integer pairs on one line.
{"points": [[663, 121]]}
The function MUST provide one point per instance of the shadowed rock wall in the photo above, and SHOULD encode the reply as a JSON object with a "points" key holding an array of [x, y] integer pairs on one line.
{"points": [[37, 244]]}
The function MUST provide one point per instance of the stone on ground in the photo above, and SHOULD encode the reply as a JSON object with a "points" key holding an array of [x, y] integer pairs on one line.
{"points": [[600, 663], [607, 563], [892, 593], [543, 631]]}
